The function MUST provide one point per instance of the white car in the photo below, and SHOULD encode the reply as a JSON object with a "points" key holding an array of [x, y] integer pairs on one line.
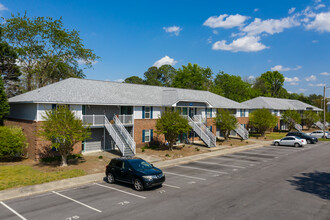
{"points": [[319, 134], [290, 141]]}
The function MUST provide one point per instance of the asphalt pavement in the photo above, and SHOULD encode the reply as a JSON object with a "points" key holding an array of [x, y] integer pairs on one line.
{"points": [[262, 183]]}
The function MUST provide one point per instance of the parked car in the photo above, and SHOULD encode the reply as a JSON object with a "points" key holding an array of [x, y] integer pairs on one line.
{"points": [[319, 134], [290, 141], [134, 171], [309, 139]]}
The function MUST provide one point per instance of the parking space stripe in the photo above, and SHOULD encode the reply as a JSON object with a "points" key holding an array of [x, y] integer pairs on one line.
{"points": [[132, 194], [83, 204], [236, 159], [220, 164], [256, 154], [13, 211], [192, 177], [214, 171], [176, 187]]}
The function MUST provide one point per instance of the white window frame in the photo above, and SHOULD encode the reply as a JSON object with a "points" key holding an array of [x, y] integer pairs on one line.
{"points": [[147, 134], [147, 112]]}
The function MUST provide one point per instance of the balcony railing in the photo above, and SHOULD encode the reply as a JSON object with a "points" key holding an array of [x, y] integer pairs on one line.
{"points": [[126, 119], [98, 120]]}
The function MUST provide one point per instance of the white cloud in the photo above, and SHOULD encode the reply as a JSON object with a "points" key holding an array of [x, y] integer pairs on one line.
{"points": [[318, 85], [321, 22], [315, 41], [251, 77], [281, 68], [291, 80], [244, 44], [291, 10], [3, 8], [215, 32], [319, 6], [209, 40], [173, 30], [256, 9], [290, 92], [310, 78], [119, 80], [302, 90], [225, 21], [294, 83], [325, 74], [165, 60], [270, 26]]}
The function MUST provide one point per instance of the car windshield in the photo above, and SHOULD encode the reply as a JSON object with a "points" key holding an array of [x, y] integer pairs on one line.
{"points": [[139, 164]]}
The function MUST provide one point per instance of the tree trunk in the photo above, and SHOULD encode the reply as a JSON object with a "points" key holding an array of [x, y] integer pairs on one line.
{"points": [[170, 146], [64, 161]]}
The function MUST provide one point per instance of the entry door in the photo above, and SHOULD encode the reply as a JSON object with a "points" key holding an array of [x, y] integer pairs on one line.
{"points": [[192, 112]]}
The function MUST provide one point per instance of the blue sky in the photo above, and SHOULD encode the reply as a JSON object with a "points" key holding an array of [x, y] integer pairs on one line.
{"points": [[244, 38]]}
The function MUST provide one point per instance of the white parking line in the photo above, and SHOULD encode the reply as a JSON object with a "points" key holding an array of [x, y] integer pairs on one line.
{"points": [[176, 187], [13, 211], [236, 159], [83, 204], [192, 177], [132, 194], [256, 154], [220, 164], [196, 168]]}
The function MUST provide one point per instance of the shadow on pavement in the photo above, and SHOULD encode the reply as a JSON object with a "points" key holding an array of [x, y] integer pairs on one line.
{"points": [[317, 183]]}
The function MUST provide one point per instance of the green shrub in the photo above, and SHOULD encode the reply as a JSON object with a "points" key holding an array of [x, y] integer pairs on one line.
{"points": [[167, 155], [12, 141], [143, 150], [100, 157], [198, 149]]}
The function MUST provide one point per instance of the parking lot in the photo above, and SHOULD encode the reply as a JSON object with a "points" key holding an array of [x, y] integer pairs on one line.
{"points": [[190, 191]]}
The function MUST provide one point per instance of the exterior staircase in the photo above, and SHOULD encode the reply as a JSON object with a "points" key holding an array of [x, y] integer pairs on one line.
{"points": [[298, 127], [242, 132], [319, 124], [202, 131], [121, 137]]}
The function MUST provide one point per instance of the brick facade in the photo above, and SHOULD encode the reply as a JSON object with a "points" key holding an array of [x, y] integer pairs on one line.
{"points": [[243, 120], [211, 122], [145, 124], [37, 146]]}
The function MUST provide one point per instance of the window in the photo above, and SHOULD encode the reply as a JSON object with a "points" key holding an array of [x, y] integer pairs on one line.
{"points": [[146, 112], [184, 111], [147, 135], [242, 112], [209, 113]]}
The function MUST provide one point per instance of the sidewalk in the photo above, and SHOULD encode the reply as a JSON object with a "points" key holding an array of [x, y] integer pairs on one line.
{"points": [[83, 180]]}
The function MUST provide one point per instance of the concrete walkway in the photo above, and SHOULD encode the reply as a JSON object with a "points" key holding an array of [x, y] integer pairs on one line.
{"points": [[78, 181]]}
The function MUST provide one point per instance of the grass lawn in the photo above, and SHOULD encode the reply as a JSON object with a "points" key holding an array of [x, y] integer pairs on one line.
{"points": [[23, 175], [275, 135], [323, 139]]}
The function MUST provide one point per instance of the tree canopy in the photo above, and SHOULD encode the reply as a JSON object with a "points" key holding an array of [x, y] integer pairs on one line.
{"points": [[64, 130], [226, 121], [9, 70], [47, 52], [4, 105], [291, 117], [171, 125], [262, 119]]}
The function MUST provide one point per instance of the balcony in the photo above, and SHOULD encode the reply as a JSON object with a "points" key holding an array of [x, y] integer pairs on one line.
{"points": [[98, 120]]}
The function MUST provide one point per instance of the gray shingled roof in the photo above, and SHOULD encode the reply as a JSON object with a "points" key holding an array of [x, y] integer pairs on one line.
{"points": [[278, 104], [94, 92]]}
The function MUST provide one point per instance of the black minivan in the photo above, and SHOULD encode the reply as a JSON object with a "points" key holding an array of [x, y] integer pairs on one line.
{"points": [[309, 139], [134, 171]]}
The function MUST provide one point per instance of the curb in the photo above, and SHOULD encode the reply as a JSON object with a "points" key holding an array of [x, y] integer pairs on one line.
{"points": [[83, 180]]}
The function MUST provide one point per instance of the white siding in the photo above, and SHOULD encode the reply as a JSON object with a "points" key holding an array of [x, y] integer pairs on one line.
{"points": [[156, 112], [77, 110], [214, 112], [42, 108], [26, 111], [200, 111], [137, 111]]}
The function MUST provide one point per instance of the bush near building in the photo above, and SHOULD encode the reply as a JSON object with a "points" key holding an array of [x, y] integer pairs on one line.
{"points": [[12, 142], [262, 119]]}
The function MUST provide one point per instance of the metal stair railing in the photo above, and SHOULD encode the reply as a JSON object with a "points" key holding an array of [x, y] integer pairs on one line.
{"points": [[298, 127], [320, 125], [241, 131], [127, 137], [199, 131], [115, 136], [198, 120]]}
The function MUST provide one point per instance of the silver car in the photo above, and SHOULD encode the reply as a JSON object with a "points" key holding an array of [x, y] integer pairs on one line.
{"points": [[319, 134], [290, 141]]}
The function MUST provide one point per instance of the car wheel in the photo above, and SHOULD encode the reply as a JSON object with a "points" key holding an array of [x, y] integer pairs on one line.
{"points": [[308, 141], [276, 144], [297, 145], [110, 178], [138, 185]]}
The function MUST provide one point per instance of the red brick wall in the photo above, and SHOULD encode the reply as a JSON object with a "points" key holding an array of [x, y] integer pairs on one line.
{"points": [[145, 124], [37, 146], [243, 120], [211, 122]]}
